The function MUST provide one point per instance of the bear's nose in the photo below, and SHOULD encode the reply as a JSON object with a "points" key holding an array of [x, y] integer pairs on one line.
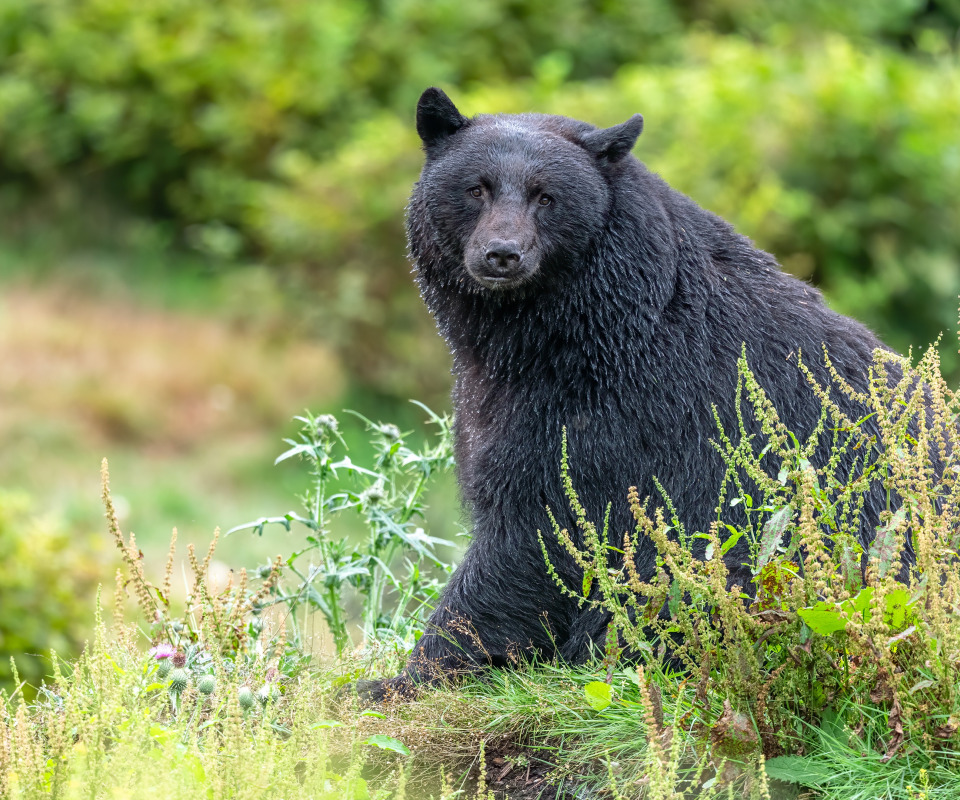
{"points": [[503, 255]]}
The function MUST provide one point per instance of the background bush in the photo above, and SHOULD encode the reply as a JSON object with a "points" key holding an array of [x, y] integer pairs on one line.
{"points": [[281, 132], [47, 579]]}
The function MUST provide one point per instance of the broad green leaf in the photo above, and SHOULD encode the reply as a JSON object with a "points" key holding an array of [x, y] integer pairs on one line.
{"points": [[730, 541], [162, 735], [860, 605], [884, 546], [824, 618], [674, 599], [895, 606], [795, 769], [354, 788], [833, 728], [388, 743], [327, 723], [599, 694], [850, 552], [773, 530], [587, 582], [193, 764]]}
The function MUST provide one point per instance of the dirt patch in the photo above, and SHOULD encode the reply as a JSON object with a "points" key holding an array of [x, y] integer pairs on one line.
{"points": [[518, 773], [163, 379]]}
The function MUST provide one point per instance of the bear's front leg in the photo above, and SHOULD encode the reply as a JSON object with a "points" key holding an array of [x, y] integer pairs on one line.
{"points": [[500, 607]]}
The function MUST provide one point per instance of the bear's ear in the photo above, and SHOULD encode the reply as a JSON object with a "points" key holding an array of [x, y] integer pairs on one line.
{"points": [[437, 117], [614, 143]]}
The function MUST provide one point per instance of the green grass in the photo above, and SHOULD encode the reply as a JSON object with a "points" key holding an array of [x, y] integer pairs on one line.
{"points": [[109, 726]]}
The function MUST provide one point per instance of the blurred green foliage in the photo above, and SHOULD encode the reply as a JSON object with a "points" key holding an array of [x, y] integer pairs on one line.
{"points": [[281, 132], [275, 139], [48, 588]]}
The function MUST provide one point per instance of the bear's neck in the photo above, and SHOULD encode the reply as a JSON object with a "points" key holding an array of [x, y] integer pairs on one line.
{"points": [[576, 336], [594, 328]]}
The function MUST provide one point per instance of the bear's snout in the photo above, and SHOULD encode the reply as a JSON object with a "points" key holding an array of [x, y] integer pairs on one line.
{"points": [[503, 256], [501, 263]]}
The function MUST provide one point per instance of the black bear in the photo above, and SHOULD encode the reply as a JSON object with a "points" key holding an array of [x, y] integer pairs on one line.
{"points": [[577, 290]]}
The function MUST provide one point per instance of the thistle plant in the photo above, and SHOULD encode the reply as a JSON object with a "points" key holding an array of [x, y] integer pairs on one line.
{"points": [[219, 626], [223, 631], [390, 499]]}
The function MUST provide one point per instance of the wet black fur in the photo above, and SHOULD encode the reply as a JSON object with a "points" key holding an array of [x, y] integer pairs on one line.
{"points": [[627, 331]]}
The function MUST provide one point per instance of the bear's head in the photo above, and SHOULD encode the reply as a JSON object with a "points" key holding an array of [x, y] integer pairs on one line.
{"points": [[514, 202]]}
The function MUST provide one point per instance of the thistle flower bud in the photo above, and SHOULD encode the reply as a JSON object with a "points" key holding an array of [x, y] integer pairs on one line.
{"points": [[374, 495], [245, 697], [390, 432], [179, 659], [268, 693], [207, 684], [327, 423], [163, 668], [178, 680]]}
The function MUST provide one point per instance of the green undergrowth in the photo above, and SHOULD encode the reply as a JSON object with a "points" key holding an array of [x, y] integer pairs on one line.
{"points": [[835, 674], [117, 723], [838, 662], [618, 740], [111, 726]]}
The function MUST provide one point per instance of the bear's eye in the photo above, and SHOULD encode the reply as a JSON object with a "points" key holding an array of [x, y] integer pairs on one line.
{"points": [[476, 191], [545, 200]]}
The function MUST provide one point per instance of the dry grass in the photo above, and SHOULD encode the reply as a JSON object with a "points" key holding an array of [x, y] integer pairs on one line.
{"points": [[170, 381], [189, 408]]}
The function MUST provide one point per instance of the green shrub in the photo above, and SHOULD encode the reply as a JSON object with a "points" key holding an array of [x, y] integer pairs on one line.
{"points": [[841, 161], [282, 132], [48, 584], [814, 642], [186, 103]]}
